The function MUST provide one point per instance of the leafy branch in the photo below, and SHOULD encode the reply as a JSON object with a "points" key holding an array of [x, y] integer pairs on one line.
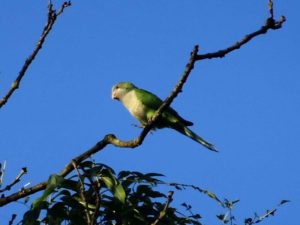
{"points": [[270, 212], [127, 197]]}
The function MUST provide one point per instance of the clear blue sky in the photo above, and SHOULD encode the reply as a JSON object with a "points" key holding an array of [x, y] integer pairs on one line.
{"points": [[247, 104]]}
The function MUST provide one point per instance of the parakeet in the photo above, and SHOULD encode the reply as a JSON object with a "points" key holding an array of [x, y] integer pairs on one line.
{"points": [[142, 105]]}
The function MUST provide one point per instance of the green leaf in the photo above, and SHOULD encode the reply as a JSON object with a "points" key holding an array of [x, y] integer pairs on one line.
{"points": [[196, 216], [109, 182], [114, 186], [229, 204], [83, 203], [70, 184], [213, 196], [235, 201], [124, 174], [154, 175], [64, 193], [248, 221], [146, 190], [87, 164], [57, 214], [283, 202], [119, 193], [222, 217], [186, 206], [54, 181], [31, 216]]}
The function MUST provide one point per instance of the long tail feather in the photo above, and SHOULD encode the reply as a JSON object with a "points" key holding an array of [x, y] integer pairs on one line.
{"points": [[199, 139], [186, 131]]}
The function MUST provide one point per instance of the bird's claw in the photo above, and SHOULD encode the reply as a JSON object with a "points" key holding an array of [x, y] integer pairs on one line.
{"points": [[138, 126]]}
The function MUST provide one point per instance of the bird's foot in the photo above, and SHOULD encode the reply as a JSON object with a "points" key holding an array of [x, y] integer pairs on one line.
{"points": [[138, 126]]}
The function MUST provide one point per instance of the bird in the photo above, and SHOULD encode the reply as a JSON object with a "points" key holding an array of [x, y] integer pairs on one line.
{"points": [[142, 105]]}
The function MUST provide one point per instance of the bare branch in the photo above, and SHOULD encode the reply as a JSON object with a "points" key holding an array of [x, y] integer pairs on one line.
{"points": [[52, 16], [15, 181], [270, 24], [61, 10], [22, 193]]}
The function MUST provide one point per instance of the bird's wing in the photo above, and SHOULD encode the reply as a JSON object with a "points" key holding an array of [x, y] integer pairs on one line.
{"points": [[152, 102]]}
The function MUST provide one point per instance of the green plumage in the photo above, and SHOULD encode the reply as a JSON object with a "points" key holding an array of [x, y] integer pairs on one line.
{"points": [[142, 105]]}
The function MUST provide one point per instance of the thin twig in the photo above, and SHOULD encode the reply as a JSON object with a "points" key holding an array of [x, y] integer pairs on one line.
{"points": [[15, 181], [13, 217], [259, 218], [62, 8], [2, 170], [206, 192], [81, 193], [163, 213], [270, 7], [52, 16], [95, 185]]}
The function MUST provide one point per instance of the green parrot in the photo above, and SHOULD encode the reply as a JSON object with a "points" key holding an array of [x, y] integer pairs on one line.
{"points": [[142, 105]]}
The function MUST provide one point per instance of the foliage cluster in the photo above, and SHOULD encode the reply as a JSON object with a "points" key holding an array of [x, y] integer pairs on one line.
{"points": [[95, 194]]}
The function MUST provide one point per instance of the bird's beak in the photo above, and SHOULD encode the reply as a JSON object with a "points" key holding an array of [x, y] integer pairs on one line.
{"points": [[113, 95]]}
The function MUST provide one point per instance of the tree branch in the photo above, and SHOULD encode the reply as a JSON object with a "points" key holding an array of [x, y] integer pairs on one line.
{"points": [[15, 181], [81, 193], [95, 186], [22, 193], [270, 24], [163, 213], [52, 16], [112, 139]]}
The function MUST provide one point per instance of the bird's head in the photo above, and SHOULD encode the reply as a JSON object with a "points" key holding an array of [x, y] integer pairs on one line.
{"points": [[120, 89]]}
